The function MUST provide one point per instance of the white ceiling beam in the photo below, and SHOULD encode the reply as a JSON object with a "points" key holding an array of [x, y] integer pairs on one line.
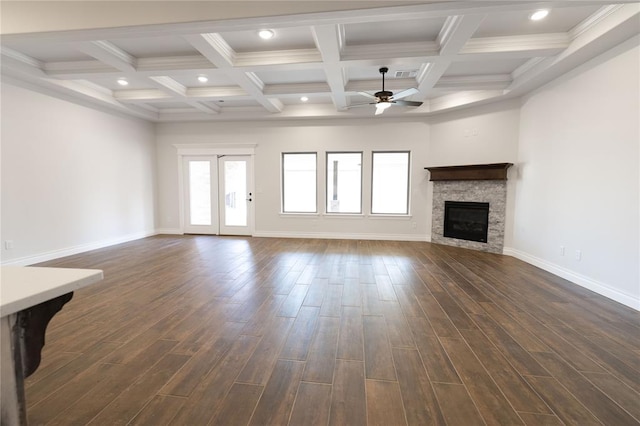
{"points": [[147, 67], [375, 85], [293, 88], [169, 85], [217, 92], [30, 69], [390, 50], [430, 74], [456, 32], [78, 69], [20, 63], [534, 44], [215, 49], [109, 54], [82, 92], [330, 42], [180, 92], [410, 53], [174, 63], [209, 108], [617, 25], [142, 95], [277, 57]]}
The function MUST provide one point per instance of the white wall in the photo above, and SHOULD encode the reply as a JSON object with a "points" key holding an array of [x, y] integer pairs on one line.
{"points": [[578, 185], [72, 178], [273, 138]]}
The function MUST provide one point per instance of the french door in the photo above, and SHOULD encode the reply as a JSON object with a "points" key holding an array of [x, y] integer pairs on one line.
{"points": [[218, 195]]}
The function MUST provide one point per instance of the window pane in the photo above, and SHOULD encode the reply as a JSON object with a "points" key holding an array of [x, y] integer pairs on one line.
{"points": [[390, 185], [344, 182], [200, 192], [235, 193], [299, 183]]}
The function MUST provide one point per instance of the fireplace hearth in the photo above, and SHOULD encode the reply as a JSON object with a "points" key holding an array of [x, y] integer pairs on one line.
{"points": [[466, 220]]}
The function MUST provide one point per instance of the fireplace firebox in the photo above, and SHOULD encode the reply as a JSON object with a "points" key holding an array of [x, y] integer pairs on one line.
{"points": [[466, 220]]}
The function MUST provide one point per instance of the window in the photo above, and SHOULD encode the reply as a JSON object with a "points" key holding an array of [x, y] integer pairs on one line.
{"points": [[344, 182], [390, 183], [299, 182]]}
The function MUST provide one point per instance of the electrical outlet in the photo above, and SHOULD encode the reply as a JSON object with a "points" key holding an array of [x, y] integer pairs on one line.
{"points": [[561, 250], [8, 244], [578, 254]]}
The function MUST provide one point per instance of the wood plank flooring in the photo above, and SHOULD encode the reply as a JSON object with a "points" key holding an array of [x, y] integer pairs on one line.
{"points": [[199, 330]]}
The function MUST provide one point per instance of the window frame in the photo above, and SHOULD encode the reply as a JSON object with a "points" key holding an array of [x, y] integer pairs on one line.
{"points": [[408, 207], [326, 182], [282, 183]]}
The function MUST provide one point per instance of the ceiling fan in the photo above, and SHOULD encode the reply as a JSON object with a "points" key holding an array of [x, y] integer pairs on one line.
{"points": [[384, 98]]}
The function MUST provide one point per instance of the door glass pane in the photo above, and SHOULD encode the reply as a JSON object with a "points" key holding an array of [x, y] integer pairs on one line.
{"points": [[344, 182], [235, 193], [200, 192]]}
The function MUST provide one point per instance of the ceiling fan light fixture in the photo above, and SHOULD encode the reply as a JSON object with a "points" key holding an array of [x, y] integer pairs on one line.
{"points": [[539, 14], [266, 34], [383, 105]]}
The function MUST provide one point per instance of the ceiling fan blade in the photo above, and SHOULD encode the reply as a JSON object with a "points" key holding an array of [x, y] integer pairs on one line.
{"points": [[381, 106], [408, 103], [360, 105], [368, 95], [405, 93]]}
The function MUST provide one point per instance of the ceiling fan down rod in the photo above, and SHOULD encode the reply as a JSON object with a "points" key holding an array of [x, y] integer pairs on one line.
{"points": [[383, 71]]}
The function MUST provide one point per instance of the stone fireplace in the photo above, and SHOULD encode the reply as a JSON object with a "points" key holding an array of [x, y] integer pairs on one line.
{"points": [[471, 186]]}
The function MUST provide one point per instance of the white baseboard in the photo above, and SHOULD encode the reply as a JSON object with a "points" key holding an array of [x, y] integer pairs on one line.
{"points": [[169, 231], [69, 251], [341, 236], [579, 279]]}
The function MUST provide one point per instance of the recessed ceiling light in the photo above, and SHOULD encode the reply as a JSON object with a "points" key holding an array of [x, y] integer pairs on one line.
{"points": [[122, 81], [539, 14], [266, 34], [203, 78], [304, 99]]}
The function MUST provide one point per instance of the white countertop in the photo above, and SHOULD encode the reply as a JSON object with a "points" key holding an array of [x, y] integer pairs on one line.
{"points": [[24, 286]]}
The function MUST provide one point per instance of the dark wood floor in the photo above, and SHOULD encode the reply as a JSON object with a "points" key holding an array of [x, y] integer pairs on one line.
{"points": [[200, 330]]}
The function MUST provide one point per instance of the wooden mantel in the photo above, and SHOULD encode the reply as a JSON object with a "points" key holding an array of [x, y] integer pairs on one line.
{"points": [[497, 171]]}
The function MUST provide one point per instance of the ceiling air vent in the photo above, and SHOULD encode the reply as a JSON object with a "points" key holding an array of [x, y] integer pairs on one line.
{"points": [[406, 74]]}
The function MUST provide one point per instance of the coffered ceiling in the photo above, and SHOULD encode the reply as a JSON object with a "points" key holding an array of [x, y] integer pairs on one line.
{"points": [[455, 54]]}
